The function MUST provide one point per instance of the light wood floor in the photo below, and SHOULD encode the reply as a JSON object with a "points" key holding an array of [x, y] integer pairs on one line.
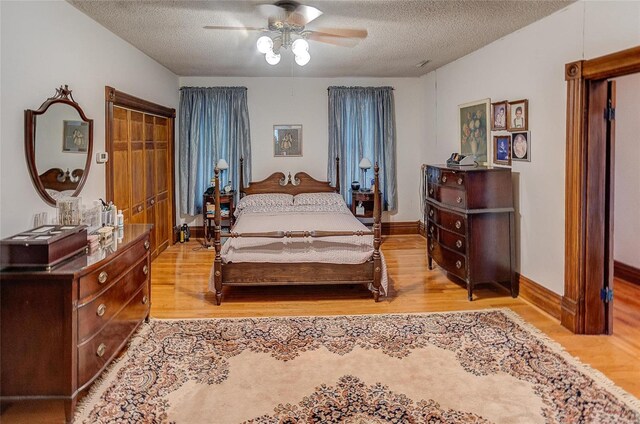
{"points": [[179, 290]]}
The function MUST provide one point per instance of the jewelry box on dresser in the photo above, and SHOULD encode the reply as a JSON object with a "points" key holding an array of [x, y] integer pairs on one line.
{"points": [[469, 219], [63, 325]]}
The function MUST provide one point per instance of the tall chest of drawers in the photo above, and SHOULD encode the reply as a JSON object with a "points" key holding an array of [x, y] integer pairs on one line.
{"points": [[62, 327], [470, 224]]}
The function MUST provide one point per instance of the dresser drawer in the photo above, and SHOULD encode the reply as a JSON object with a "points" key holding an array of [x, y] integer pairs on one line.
{"points": [[451, 221], [451, 240], [452, 196], [452, 178], [94, 315], [451, 261], [104, 276], [98, 351]]}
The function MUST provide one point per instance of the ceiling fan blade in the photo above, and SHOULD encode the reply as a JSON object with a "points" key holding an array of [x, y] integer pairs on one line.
{"points": [[332, 39], [245, 28], [304, 14], [343, 32]]}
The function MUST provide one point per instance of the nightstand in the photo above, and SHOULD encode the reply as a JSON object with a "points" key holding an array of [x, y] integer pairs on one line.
{"points": [[364, 199], [227, 207]]}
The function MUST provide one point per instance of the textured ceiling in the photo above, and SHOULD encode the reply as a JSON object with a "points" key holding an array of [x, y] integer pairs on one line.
{"points": [[401, 34]]}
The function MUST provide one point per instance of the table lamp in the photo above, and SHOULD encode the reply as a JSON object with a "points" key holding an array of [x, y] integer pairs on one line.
{"points": [[365, 164], [222, 165]]}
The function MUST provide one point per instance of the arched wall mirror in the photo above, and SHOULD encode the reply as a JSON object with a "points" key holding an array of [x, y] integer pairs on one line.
{"points": [[58, 145]]}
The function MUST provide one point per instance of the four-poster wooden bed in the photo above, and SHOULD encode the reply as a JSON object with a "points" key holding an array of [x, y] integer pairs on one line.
{"points": [[295, 273]]}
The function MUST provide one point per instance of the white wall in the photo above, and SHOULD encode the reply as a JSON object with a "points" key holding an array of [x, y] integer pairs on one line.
{"points": [[626, 222], [47, 44], [273, 101], [529, 64]]}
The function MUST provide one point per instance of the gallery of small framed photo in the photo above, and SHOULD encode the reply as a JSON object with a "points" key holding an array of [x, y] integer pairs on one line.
{"points": [[499, 116], [502, 149], [518, 115], [287, 140], [521, 146]]}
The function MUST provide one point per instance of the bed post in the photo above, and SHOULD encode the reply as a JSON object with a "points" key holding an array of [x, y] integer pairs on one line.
{"points": [[217, 267], [337, 174], [377, 235], [241, 187]]}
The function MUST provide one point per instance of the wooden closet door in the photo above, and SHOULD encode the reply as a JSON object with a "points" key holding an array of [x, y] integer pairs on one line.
{"points": [[149, 178], [120, 161], [163, 190], [136, 152]]}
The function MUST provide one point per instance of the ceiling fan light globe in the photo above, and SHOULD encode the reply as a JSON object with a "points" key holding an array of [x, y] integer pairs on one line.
{"points": [[300, 46], [264, 44], [303, 58], [272, 58]]}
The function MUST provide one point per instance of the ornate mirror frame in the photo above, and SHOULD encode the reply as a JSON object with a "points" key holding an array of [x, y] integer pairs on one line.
{"points": [[63, 95]]}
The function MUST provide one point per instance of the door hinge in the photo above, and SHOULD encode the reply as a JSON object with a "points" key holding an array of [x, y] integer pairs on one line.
{"points": [[606, 294], [610, 113]]}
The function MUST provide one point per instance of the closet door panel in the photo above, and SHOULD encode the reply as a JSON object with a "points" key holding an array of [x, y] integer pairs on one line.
{"points": [[137, 158], [120, 161], [163, 221]]}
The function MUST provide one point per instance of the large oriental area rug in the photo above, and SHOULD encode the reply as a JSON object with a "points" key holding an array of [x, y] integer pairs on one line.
{"points": [[461, 367]]}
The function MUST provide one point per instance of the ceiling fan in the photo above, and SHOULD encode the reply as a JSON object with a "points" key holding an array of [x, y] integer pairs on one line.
{"points": [[287, 20]]}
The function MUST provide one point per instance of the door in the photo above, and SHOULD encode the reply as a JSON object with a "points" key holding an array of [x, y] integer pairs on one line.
{"points": [[599, 223]]}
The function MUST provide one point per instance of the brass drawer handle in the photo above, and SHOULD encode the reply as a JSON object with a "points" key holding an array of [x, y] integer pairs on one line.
{"points": [[140, 208], [153, 201], [459, 244], [458, 224], [102, 277], [460, 181], [145, 270], [145, 299], [147, 244], [431, 212], [458, 264], [444, 179], [101, 310], [459, 199], [101, 350]]}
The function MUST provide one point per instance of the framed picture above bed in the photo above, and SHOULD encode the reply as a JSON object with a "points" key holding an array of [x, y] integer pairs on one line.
{"points": [[287, 140], [75, 136]]}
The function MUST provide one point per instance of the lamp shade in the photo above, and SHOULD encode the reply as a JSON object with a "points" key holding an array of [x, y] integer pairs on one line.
{"points": [[222, 165], [365, 163]]}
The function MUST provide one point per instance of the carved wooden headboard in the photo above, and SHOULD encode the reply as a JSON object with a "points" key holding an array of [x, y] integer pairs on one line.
{"points": [[59, 180], [301, 182]]}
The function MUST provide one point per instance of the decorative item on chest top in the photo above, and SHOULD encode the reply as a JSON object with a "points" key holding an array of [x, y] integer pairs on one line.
{"points": [[68, 210], [44, 246], [473, 129]]}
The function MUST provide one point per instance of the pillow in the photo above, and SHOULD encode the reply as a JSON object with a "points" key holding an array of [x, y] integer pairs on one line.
{"points": [[318, 199], [271, 199]]}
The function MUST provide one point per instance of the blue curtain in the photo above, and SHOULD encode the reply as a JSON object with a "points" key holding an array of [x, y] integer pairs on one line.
{"points": [[214, 124], [362, 124]]}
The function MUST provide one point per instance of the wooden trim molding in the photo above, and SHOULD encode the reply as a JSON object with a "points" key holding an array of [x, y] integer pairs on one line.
{"points": [[540, 296], [118, 98], [626, 272], [400, 228], [582, 172]]}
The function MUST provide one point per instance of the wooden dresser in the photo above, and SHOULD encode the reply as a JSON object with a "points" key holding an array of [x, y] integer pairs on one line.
{"points": [[62, 327], [470, 224]]}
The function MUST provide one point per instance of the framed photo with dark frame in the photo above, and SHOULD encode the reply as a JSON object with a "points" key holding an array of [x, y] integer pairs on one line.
{"points": [[502, 149], [473, 129], [499, 116], [518, 115], [75, 136], [287, 140], [521, 146]]}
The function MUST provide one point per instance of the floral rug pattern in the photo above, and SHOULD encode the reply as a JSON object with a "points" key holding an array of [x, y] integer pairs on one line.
{"points": [[167, 354]]}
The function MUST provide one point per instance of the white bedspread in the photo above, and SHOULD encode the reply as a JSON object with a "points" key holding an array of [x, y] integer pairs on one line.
{"points": [[335, 249]]}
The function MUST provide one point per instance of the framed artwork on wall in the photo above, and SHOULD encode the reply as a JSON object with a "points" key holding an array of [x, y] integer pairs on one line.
{"points": [[521, 146], [502, 149], [518, 115], [473, 126], [75, 136], [499, 116], [287, 140]]}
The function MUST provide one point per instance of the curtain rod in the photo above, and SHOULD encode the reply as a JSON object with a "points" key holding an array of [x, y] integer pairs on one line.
{"points": [[220, 86], [329, 88]]}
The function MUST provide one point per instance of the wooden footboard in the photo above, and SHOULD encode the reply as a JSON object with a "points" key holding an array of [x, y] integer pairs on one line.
{"points": [[238, 274]]}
